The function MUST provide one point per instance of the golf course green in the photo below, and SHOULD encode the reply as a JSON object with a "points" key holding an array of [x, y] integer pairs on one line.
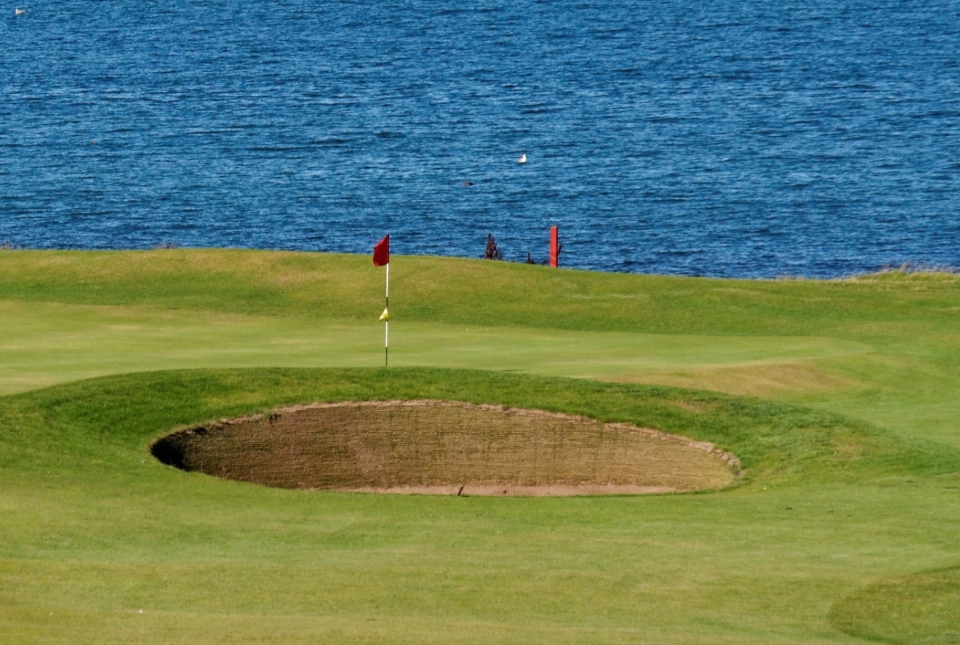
{"points": [[839, 398]]}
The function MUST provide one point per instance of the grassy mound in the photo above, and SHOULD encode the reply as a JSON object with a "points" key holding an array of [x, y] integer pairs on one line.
{"points": [[128, 413]]}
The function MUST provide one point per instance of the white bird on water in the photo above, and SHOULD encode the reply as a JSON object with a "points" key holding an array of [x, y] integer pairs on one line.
{"points": [[19, 11], [523, 158]]}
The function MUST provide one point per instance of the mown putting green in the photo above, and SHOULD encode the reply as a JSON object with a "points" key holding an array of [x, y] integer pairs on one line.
{"points": [[834, 528]]}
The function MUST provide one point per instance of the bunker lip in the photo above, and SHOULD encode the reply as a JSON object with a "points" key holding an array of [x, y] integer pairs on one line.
{"points": [[495, 490], [446, 448]]}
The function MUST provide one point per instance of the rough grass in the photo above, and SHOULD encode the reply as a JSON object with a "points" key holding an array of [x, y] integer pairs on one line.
{"points": [[431, 289]]}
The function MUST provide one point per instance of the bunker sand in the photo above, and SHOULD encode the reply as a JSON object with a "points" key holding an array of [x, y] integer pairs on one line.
{"points": [[449, 448]]}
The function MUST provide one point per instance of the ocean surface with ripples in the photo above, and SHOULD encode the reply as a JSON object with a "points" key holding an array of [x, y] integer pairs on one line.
{"points": [[719, 138]]}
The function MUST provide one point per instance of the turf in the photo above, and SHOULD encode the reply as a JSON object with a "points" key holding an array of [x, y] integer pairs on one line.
{"points": [[919, 608], [849, 498]]}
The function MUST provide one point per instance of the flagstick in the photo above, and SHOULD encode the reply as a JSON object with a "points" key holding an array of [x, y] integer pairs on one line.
{"points": [[386, 323]]}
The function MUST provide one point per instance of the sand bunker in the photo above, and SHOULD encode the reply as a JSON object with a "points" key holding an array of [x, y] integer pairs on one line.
{"points": [[444, 447]]}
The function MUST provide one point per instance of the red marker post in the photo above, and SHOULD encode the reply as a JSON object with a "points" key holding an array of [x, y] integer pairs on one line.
{"points": [[554, 246]]}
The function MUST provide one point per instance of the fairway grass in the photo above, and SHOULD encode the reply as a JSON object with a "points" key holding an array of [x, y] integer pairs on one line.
{"points": [[849, 510]]}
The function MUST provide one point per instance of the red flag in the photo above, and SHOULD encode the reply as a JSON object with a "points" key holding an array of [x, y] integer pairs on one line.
{"points": [[381, 252]]}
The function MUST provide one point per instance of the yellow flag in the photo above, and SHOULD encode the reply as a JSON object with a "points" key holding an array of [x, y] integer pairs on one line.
{"points": [[384, 315]]}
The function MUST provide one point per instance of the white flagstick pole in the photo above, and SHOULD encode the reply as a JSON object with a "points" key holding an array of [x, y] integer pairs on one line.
{"points": [[386, 323]]}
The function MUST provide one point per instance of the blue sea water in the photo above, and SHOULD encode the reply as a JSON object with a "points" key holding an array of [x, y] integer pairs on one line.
{"points": [[723, 138]]}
